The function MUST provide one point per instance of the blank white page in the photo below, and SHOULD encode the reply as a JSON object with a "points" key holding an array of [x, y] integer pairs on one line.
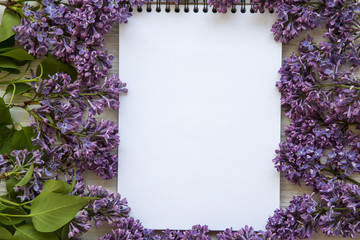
{"points": [[201, 121]]}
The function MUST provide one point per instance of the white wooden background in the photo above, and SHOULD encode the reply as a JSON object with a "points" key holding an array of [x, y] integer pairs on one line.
{"points": [[287, 189]]}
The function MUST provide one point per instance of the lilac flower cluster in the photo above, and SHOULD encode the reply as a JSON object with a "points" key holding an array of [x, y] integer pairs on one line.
{"points": [[243, 234], [221, 6], [109, 208], [297, 221], [129, 228], [73, 32], [304, 83], [320, 94], [17, 164], [86, 142], [297, 16]]}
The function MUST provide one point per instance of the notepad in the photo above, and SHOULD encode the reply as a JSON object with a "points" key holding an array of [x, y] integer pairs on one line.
{"points": [[201, 121]]}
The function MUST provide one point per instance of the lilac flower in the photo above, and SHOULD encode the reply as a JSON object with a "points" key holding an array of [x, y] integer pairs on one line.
{"points": [[82, 49], [65, 126], [114, 4], [40, 36]]}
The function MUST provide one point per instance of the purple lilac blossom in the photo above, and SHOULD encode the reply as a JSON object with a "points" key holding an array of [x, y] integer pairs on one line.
{"points": [[87, 144], [109, 208], [297, 16], [299, 220], [17, 163], [221, 6], [73, 33], [129, 228], [246, 233]]}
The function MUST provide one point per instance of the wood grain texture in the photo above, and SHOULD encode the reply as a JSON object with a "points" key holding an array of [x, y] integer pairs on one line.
{"points": [[287, 189]]}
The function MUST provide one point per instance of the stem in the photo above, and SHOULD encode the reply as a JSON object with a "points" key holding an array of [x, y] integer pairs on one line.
{"points": [[13, 203], [16, 122], [80, 94], [313, 3], [10, 215], [343, 209], [5, 76], [27, 69], [346, 177], [41, 69], [12, 96], [26, 80], [21, 81], [338, 85]]}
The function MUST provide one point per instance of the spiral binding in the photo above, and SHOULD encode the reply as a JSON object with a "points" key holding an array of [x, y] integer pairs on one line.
{"points": [[191, 5]]}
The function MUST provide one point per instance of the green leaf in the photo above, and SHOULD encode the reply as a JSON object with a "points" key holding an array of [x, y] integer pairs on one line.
{"points": [[27, 176], [28, 232], [50, 211], [8, 42], [65, 232], [49, 118], [7, 63], [10, 70], [28, 95], [13, 211], [5, 234], [73, 181], [5, 117], [11, 194], [56, 186], [20, 88], [5, 49], [22, 139], [11, 183], [6, 136], [18, 54], [3, 206], [10, 19], [51, 66]]}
